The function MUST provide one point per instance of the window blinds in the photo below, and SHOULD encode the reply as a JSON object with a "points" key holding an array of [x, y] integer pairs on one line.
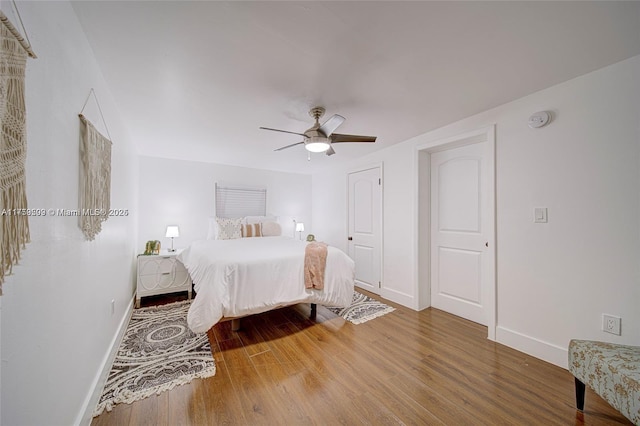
{"points": [[239, 201]]}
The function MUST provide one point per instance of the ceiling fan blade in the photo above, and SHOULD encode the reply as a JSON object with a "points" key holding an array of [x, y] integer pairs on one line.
{"points": [[288, 146], [283, 131], [337, 137], [330, 151], [331, 124]]}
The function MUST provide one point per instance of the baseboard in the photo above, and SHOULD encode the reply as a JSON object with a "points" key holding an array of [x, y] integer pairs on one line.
{"points": [[545, 351], [392, 295], [398, 297], [86, 414]]}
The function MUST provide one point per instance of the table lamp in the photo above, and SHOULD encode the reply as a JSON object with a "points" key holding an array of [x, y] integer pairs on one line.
{"points": [[172, 232]]}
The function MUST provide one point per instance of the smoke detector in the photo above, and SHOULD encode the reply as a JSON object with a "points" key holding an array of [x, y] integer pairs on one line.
{"points": [[539, 119]]}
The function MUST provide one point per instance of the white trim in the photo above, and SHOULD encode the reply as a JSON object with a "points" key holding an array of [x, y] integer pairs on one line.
{"points": [[484, 134], [397, 296], [379, 166], [91, 401], [535, 347], [422, 300]]}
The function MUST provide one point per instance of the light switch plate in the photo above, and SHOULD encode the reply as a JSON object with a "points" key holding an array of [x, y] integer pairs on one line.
{"points": [[540, 214]]}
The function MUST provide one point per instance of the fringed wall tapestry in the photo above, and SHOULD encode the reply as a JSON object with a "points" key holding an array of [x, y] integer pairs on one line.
{"points": [[14, 221], [95, 178]]}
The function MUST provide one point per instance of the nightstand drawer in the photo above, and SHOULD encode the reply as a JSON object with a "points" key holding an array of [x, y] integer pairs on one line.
{"points": [[156, 281], [157, 265], [160, 274]]}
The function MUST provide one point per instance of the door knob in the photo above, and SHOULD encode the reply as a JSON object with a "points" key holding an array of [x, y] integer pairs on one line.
{"points": [[350, 238]]}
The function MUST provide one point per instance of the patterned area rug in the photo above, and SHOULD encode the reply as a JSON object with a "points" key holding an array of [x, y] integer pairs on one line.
{"points": [[157, 353], [362, 309]]}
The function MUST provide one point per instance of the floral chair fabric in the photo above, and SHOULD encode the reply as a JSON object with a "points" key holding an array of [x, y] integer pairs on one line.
{"points": [[612, 371]]}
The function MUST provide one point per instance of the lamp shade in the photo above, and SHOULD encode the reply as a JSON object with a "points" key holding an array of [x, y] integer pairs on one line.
{"points": [[172, 231], [299, 226]]}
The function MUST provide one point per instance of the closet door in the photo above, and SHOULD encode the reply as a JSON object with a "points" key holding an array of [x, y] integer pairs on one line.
{"points": [[365, 226], [461, 267]]}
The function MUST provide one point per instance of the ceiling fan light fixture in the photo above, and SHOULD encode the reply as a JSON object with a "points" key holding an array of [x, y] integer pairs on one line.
{"points": [[319, 138], [317, 144]]}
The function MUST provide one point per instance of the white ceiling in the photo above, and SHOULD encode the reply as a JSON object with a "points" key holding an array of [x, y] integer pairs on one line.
{"points": [[195, 80]]}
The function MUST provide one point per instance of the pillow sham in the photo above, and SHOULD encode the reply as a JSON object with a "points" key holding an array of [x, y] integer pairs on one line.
{"points": [[252, 230], [229, 229], [271, 229]]}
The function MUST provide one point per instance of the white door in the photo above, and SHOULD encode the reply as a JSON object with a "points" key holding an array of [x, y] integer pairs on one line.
{"points": [[461, 216], [364, 245]]}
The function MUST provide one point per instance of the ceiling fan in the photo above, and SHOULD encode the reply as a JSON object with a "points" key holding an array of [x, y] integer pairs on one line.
{"points": [[319, 138]]}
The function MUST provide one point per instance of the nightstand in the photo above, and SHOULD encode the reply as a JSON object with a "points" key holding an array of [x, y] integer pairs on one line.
{"points": [[161, 274]]}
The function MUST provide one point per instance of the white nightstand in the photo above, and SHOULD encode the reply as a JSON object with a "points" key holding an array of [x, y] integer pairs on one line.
{"points": [[160, 274]]}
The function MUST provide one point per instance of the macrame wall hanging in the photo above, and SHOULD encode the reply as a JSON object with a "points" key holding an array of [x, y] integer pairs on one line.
{"points": [[95, 174], [14, 219]]}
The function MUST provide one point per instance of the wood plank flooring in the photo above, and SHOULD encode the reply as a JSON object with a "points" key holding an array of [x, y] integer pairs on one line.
{"points": [[406, 367]]}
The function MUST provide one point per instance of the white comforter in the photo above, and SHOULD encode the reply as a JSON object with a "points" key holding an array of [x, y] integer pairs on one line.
{"points": [[251, 275]]}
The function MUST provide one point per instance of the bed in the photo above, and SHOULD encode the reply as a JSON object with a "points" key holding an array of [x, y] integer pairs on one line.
{"points": [[237, 277]]}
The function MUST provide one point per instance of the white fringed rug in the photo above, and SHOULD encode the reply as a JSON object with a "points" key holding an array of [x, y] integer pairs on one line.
{"points": [[157, 353], [362, 309]]}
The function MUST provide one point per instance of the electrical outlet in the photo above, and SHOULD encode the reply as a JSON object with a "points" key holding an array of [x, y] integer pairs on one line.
{"points": [[611, 324]]}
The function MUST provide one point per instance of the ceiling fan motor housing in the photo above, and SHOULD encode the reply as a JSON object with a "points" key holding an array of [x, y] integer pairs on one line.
{"points": [[317, 112]]}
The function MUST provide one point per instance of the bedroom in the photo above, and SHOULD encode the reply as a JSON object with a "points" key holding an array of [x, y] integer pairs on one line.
{"points": [[584, 167]]}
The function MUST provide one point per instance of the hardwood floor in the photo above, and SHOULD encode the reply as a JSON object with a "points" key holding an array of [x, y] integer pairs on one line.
{"points": [[406, 367]]}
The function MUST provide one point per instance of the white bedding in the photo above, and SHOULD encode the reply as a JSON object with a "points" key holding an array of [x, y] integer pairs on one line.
{"points": [[246, 276]]}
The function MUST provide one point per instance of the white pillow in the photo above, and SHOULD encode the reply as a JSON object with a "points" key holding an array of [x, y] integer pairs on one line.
{"points": [[249, 220], [271, 229], [229, 229]]}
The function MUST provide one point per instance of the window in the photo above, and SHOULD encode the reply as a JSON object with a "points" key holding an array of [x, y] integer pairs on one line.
{"points": [[240, 201]]}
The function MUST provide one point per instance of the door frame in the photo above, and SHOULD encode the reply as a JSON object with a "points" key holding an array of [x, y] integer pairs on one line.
{"points": [[423, 219], [379, 166]]}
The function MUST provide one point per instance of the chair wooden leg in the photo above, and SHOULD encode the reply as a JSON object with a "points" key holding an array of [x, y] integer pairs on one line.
{"points": [[580, 390]]}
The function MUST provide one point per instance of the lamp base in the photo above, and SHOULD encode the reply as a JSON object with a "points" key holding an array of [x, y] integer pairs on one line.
{"points": [[171, 250]]}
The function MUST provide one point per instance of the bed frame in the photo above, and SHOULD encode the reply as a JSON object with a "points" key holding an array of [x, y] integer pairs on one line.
{"points": [[235, 321]]}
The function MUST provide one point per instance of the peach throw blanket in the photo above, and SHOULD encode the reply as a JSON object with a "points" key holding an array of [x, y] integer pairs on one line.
{"points": [[315, 260]]}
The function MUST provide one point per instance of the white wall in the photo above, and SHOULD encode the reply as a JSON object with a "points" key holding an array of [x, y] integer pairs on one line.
{"points": [[554, 280], [330, 219], [57, 323], [182, 193]]}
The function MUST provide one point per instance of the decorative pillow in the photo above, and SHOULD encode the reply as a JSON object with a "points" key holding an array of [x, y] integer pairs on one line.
{"points": [[229, 229], [252, 230], [271, 229]]}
